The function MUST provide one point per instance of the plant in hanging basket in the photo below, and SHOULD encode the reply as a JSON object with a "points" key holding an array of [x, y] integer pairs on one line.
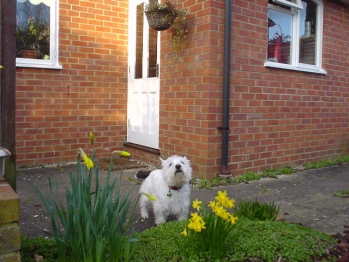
{"points": [[161, 15]]}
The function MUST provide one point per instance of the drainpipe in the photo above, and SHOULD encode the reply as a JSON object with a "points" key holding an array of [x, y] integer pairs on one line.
{"points": [[226, 90]]}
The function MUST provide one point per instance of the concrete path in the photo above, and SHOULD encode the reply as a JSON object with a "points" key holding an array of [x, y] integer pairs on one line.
{"points": [[306, 197]]}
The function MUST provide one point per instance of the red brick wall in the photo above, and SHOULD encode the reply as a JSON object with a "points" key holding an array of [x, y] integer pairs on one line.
{"points": [[277, 117], [280, 117], [190, 101], [56, 109]]}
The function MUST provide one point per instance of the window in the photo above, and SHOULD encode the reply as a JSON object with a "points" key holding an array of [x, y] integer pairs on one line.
{"points": [[295, 35], [291, 3], [37, 33]]}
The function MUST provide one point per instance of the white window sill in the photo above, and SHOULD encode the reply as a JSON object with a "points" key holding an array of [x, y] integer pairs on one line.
{"points": [[309, 69], [38, 65]]}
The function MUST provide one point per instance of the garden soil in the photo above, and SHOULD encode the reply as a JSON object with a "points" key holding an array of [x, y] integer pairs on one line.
{"points": [[306, 197]]}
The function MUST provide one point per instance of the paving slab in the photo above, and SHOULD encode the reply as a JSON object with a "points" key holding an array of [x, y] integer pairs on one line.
{"points": [[305, 197]]}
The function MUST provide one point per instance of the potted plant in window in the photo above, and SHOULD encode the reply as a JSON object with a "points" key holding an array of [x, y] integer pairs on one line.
{"points": [[33, 41]]}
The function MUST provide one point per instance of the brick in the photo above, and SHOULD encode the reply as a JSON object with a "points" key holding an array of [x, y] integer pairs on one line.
{"points": [[10, 238], [9, 204], [11, 257]]}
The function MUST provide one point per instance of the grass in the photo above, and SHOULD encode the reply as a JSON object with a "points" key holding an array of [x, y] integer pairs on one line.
{"points": [[258, 240], [341, 193]]}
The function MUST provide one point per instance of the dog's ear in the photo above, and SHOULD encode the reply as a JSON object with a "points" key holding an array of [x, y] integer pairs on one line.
{"points": [[162, 161]]}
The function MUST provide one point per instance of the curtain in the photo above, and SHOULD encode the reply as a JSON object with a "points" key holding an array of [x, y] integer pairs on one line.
{"points": [[36, 2]]}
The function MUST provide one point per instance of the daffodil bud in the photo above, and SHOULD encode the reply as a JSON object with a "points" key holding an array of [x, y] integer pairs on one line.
{"points": [[122, 153], [88, 162], [92, 138], [151, 197]]}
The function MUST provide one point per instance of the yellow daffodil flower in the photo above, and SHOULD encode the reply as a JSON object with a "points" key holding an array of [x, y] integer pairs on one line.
{"points": [[151, 197], [92, 138], [184, 232], [196, 222], [230, 203], [197, 226], [212, 205], [233, 219], [197, 204], [88, 162], [219, 210], [195, 217], [221, 196]]}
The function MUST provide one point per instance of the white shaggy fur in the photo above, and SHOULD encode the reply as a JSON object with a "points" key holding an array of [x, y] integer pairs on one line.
{"points": [[176, 172]]}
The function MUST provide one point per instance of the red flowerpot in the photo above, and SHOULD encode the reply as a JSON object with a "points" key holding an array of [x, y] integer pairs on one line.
{"points": [[33, 54]]}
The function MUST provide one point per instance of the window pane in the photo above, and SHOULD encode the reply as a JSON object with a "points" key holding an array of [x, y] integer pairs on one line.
{"points": [[153, 50], [33, 30], [279, 36], [307, 31], [139, 42]]}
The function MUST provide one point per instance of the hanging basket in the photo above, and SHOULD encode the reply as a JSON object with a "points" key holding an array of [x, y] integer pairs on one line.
{"points": [[161, 19]]}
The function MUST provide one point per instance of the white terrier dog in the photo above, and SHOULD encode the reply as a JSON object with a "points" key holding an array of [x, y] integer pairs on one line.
{"points": [[170, 186]]}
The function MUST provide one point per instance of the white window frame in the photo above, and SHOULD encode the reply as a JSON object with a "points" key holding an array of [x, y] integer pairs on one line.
{"points": [[294, 4], [52, 63], [294, 54]]}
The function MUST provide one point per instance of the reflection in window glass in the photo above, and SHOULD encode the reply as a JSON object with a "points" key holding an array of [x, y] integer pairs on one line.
{"points": [[152, 70], [33, 30], [279, 36], [139, 42], [307, 33]]}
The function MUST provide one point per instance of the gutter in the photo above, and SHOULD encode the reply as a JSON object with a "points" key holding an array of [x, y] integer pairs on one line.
{"points": [[225, 172]]}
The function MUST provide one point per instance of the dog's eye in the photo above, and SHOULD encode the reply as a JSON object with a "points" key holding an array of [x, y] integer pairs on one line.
{"points": [[182, 162], [171, 164]]}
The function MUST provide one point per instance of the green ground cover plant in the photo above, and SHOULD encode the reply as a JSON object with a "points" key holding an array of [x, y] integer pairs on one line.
{"points": [[258, 240], [248, 241], [40, 246]]}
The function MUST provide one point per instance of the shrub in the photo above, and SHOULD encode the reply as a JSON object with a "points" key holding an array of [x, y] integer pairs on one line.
{"points": [[207, 231], [41, 246], [257, 211], [93, 224]]}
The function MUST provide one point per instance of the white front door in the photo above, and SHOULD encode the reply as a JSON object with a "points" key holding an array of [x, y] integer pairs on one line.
{"points": [[143, 79]]}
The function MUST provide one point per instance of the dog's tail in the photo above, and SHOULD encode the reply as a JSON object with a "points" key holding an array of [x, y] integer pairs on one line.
{"points": [[142, 174]]}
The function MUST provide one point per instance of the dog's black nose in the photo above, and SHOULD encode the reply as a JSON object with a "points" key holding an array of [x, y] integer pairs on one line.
{"points": [[178, 166]]}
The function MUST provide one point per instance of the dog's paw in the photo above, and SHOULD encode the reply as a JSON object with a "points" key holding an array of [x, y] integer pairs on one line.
{"points": [[182, 217], [145, 216], [160, 220]]}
